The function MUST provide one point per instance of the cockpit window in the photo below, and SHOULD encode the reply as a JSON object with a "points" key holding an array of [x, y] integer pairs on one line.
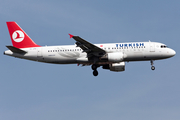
{"points": [[163, 46]]}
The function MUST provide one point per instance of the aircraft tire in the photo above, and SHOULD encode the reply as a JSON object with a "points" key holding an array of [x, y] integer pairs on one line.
{"points": [[95, 73], [152, 68]]}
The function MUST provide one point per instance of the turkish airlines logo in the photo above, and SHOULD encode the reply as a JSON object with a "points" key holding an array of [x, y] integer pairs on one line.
{"points": [[18, 36]]}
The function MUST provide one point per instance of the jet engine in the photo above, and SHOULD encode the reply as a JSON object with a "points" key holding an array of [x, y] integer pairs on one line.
{"points": [[115, 57], [116, 67]]}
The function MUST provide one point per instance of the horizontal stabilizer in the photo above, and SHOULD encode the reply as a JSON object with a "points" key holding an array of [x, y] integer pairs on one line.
{"points": [[16, 50]]}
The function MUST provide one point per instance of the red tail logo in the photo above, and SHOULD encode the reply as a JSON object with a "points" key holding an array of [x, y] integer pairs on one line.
{"points": [[18, 37]]}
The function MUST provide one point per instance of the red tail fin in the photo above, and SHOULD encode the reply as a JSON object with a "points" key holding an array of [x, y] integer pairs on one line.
{"points": [[18, 37]]}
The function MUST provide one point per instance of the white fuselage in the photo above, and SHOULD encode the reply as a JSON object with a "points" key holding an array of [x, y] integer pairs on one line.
{"points": [[110, 56], [70, 54]]}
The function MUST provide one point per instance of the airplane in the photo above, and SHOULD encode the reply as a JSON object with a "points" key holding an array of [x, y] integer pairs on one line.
{"points": [[111, 56]]}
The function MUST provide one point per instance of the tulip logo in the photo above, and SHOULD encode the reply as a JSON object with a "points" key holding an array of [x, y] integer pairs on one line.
{"points": [[18, 36]]}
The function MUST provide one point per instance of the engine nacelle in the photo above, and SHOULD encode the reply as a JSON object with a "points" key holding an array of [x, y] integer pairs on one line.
{"points": [[117, 67], [115, 57]]}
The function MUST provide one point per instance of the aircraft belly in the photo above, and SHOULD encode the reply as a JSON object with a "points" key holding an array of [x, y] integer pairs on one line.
{"points": [[134, 56], [140, 56], [59, 59], [64, 58]]}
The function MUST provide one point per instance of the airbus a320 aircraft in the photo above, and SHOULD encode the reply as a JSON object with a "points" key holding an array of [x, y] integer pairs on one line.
{"points": [[110, 56]]}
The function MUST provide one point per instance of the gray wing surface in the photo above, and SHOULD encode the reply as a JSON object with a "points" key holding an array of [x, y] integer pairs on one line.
{"points": [[89, 48]]}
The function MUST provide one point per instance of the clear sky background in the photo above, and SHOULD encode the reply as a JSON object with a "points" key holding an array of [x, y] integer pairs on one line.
{"points": [[39, 91]]}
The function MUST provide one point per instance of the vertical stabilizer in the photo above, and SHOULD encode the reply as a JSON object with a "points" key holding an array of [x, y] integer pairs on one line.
{"points": [[18, 37]]}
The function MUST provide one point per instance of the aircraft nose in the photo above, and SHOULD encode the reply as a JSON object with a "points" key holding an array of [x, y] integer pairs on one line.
{"points": [[173, 52]]}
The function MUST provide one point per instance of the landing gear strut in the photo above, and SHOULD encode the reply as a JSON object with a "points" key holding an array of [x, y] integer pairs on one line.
{"points": [[152, 67], [94, 67]]}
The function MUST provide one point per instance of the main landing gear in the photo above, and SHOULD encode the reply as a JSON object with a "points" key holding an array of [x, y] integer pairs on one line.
{"points": [[94, 67], [152, 67]]}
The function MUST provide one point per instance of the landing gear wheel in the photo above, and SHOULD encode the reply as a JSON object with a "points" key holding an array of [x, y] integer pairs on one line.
{"points": [[94, 67], [152, 68], [152, 63], [95, 73]]}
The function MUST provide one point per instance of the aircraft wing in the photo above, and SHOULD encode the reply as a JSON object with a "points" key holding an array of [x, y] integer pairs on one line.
{"points": [[89, 48]]}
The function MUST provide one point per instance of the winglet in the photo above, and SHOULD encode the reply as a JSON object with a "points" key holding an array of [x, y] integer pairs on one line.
{"points": [[71, 35]]}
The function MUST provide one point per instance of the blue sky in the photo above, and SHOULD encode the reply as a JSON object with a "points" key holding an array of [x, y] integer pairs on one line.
{"points": [[32, 90]]}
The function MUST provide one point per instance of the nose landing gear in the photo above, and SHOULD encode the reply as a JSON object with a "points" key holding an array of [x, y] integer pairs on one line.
{"points": [[94, 67], [152, 67]]}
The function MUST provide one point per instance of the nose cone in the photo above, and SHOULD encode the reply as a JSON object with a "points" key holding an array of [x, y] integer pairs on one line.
{"points": [[172, 53]]}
